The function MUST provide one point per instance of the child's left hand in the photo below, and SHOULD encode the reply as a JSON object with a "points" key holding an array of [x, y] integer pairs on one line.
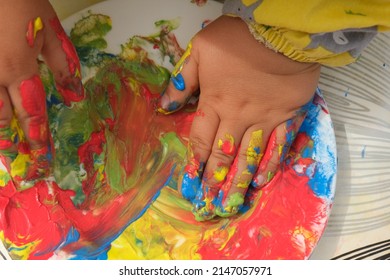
{"points": [[246, 91]]}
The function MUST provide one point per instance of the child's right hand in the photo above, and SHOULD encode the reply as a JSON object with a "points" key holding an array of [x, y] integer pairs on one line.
{"points": [[29, 29]]}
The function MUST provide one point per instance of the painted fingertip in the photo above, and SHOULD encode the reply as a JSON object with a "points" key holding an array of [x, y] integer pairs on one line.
{"points": [[233, 204], [165, 106], [202, 212], [178, 82]]}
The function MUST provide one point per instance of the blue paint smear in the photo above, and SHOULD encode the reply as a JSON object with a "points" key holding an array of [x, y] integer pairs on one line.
{"points": [[323, 172], [178, 82], [252, 168], [73, 236], [173, 106], [190, 186]]}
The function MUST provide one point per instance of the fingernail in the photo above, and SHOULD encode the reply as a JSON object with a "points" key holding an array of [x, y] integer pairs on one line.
{"points": [[233, 204], [164, 101], [178, 82], [258, 181], [166, 106]]}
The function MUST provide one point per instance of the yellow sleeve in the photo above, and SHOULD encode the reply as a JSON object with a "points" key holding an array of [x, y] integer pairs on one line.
{"points": [[330, 32]]}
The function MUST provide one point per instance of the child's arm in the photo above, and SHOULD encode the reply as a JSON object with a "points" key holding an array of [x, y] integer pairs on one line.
{"points": [[29, 29], [246, 90]]}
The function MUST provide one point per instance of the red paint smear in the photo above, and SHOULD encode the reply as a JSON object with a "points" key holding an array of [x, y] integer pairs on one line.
{"points": [[284, 206], [38, 164], [5, 144], [69, 49], [86, 152], [34, 215], [1, 107], [71, 89], [34, 102], [228, 148], [45, 214], [30, 33]]}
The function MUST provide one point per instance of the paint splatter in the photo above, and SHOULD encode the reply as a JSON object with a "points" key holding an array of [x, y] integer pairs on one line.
{"points": [[364, 151], [346, 93]]}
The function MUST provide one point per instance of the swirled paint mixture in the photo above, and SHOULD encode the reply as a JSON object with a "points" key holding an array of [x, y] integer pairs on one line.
{"points": [[113, 190]]}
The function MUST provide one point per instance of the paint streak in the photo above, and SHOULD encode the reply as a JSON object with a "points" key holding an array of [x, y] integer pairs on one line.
{"points": [[113, 193], [34, 26]]}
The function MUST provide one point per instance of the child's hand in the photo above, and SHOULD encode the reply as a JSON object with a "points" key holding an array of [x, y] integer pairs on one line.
{"points": [[29, 29], [247, 91]]}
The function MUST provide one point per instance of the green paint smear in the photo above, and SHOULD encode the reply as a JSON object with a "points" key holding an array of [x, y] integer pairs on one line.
{"points": [[140, 159], [4, 178], [233, 202]]}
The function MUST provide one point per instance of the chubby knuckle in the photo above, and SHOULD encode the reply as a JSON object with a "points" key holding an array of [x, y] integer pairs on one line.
{"points": [[198, 143], [5, 120], [245, 155]]}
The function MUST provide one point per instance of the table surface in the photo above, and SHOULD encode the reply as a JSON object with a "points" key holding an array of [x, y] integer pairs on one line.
{"points": [[358, 97]]}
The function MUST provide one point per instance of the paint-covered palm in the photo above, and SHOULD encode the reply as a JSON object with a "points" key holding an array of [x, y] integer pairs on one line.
{"points": [[251, 104], [30, 29]]}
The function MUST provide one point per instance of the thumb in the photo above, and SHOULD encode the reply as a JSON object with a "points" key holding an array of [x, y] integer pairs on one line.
{"points": [[183, 83], [61, 57]]}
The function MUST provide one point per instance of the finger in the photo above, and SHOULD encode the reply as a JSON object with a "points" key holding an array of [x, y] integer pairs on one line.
{"points": [[248, 158], [201, 139], [61, 57], [7, 134], [29, 100], [223, 152], [277, 149], [183, 83]]}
